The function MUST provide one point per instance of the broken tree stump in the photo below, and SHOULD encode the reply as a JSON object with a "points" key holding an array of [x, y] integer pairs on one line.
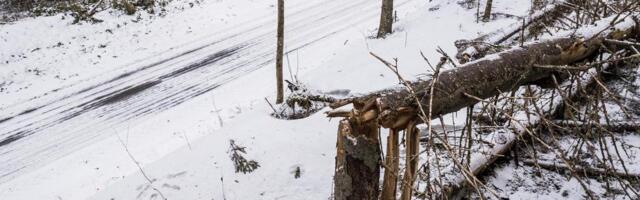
{"points": [[357, 174]]}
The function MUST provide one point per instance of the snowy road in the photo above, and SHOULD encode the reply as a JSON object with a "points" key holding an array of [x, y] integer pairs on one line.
{"points": [[33, 133]]}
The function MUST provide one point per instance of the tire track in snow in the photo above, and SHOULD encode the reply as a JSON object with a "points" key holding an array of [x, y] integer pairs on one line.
{"points": [[32, 138], [152, 69]]}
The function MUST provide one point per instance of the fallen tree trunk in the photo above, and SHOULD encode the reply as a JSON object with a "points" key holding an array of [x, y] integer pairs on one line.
{"points": [[502, 72], [501, 145], [454, 90]]}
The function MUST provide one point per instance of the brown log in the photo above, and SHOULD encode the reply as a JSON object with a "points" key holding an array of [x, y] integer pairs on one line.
{"points": [[488, 77], [391, 166], [357, 172]]}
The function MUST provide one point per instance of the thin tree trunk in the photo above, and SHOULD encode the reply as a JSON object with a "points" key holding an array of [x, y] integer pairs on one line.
{"points": [[386, 19], [487, 11], [280, 53], [390, 184]]}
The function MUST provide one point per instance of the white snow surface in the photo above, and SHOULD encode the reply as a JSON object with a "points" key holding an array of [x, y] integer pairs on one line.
{"points": [[183, 147]]}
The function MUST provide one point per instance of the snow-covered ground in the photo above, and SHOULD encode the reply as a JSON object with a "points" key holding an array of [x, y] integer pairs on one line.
{"points": [[83, 105]]}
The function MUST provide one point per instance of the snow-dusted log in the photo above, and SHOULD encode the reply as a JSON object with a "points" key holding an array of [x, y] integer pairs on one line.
{"points": [[495, 74], [500, 146]]}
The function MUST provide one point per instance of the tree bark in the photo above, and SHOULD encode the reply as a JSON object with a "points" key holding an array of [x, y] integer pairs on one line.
{"points": [[484, 78], [386, 19], [280, 54], [357, 174], [487, 11]]}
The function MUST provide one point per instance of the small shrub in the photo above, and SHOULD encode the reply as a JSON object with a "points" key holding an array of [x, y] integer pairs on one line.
{"points": [[241, 164], [81, 10], [297, 172]]}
